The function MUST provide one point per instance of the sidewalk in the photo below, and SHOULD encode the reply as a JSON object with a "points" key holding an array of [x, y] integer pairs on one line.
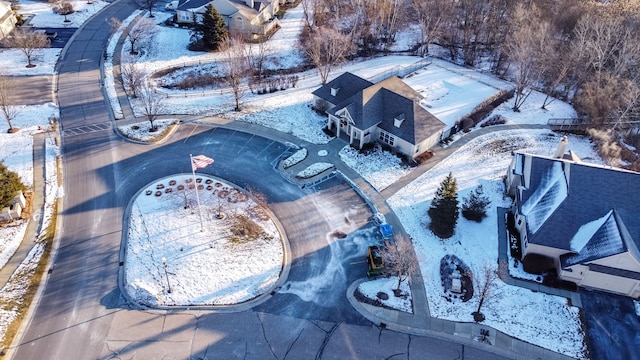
{"points": [[37, 210]]}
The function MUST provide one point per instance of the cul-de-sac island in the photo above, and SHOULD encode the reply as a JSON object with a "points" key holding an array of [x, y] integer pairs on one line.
{"points": [[319, 179]]}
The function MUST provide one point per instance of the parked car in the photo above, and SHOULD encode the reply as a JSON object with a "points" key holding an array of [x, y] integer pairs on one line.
{"points": [[375, 261], [51, 35]]}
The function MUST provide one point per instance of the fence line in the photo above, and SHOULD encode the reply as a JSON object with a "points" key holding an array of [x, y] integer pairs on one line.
{"points": [[400, 71]]}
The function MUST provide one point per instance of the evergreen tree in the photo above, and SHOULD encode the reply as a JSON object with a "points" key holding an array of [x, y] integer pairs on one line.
{"points": [[474, 206], [213, 28], [444, 208], [10, 184]]}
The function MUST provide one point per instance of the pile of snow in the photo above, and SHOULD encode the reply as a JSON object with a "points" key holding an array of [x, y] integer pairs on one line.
{"points": [[204, 264], [297, 157], [314, 169], [141, 131]]}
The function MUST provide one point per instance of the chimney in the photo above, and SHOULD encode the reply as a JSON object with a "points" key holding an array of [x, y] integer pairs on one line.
{"points": [[562, 148], [249, 3]]}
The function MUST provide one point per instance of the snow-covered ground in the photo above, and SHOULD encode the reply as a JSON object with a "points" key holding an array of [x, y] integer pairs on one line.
{"points": [[545, 320], [40, 14], [204, 264]]}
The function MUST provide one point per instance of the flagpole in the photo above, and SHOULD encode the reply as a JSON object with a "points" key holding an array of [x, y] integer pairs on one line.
{"points": [[193, 171]]}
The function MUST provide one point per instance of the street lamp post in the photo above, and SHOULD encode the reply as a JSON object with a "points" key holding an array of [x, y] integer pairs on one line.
{"points": [[166, 274]]}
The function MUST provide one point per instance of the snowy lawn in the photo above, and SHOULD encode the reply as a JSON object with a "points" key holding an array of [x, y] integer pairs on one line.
{"points": [[542, 319], [380, 292], [43, 15], [380, 168], [13, 62], [206, 265]]}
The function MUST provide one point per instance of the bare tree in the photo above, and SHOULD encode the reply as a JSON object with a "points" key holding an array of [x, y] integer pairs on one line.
{"points": [[62, 7], [235, 67], [9, 110], [147, 5], [529, 36], [430, 14], [152, 103], [484, 282], [132, 76], [136, 33], [400, 259], [218, 208], [256, 55], [28, 42], [326, 48]]}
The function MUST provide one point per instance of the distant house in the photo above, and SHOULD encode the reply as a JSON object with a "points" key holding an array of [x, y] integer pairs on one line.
{"points": [[13, 211], [249, 17], [7, 19], [583, 216], [388, 111]]}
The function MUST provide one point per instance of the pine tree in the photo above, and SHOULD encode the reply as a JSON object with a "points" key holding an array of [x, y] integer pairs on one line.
{"points": [[10, 184], [213, 28], [444, 208], [474, 206]]}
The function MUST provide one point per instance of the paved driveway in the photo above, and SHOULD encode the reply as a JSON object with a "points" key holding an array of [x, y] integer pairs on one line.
{"points": [[613, 327]]}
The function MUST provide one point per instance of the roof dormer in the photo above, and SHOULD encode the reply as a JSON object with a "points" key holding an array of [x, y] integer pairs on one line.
{"points": [[397, 121]]}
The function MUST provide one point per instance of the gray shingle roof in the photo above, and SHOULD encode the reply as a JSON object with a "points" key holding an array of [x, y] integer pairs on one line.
{"points": [[379, 104], [191, 4], [593, 191], [348, 85], [606, 241]]}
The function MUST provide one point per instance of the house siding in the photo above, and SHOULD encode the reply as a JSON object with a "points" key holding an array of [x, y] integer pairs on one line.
{"points": [[583, 276], [7, 19]]}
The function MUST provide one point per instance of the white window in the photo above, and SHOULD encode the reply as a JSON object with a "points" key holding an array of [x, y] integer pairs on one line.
{"points": [[386, 138]]}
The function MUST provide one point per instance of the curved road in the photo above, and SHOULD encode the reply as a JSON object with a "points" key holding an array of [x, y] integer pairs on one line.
{"points": [[83, 315]]}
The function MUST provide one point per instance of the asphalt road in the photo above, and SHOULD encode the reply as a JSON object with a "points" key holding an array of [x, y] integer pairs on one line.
{"points": [[83, 315]]}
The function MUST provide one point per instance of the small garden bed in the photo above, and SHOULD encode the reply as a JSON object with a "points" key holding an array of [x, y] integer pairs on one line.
{"points": [[455, 277]]}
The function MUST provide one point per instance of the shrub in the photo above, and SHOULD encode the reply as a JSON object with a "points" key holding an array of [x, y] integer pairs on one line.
{"points": [[474, 206], [537, 264], [245, 229], [10, 184], [494, 120], [424, 157]]}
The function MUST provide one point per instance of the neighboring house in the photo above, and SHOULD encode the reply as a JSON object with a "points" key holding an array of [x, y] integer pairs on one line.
{"points": [[13, 211], [388, 111], [249, 17], [7, 19], [583, 216]]}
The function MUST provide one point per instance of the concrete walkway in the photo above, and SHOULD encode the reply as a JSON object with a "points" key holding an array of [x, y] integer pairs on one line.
{"points": [[420, 321], [37, 210]]}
